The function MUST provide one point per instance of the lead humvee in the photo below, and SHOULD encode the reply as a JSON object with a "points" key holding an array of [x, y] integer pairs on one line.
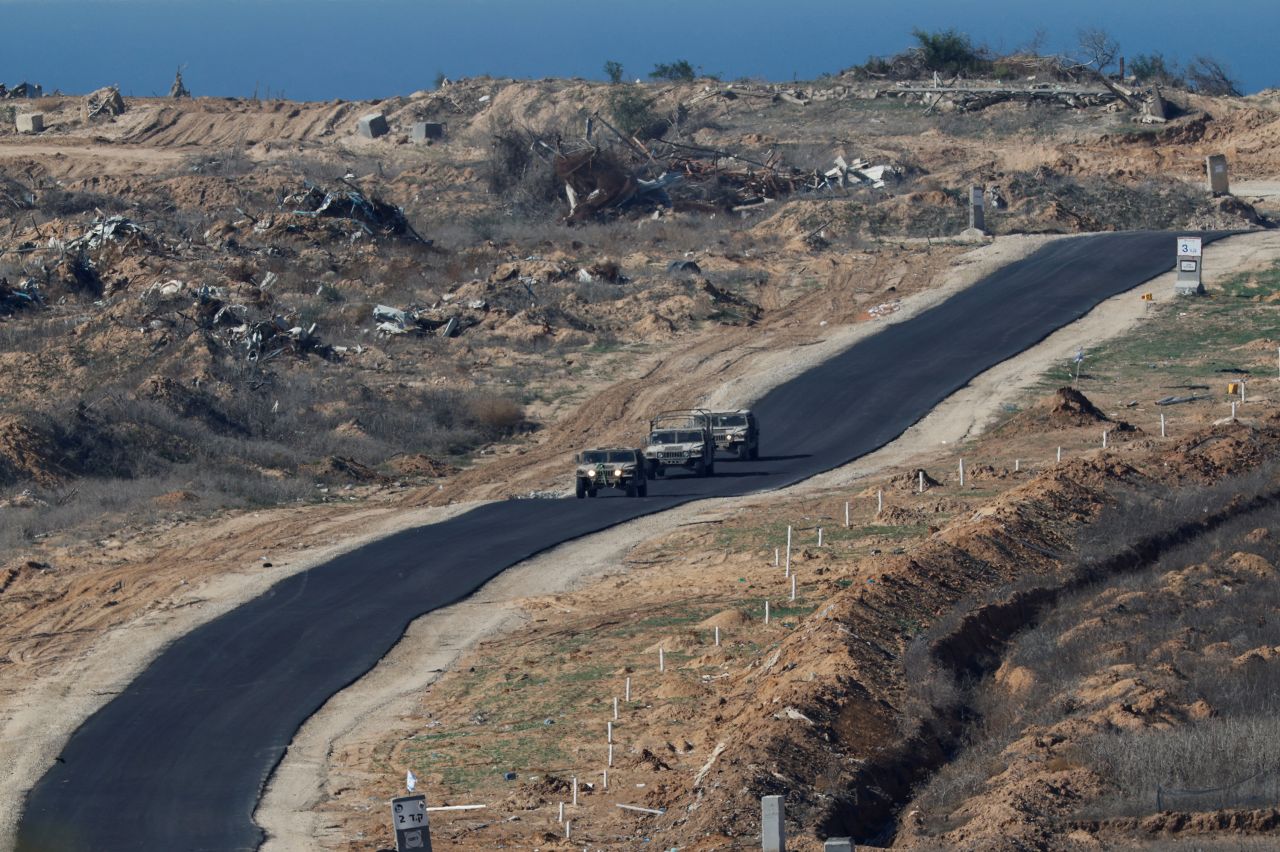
{"points": [[610, 467]]}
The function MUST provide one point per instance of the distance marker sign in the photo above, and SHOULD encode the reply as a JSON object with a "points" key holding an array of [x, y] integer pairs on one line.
{"points": [[409, 818], [1188, 246]]}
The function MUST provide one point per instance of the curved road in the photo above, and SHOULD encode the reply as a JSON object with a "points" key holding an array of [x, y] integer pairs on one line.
{"points": [[179, 759]]}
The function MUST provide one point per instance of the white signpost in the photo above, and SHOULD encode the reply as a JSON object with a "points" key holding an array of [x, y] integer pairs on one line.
{"points": [[1189, 257], [409, 818]]}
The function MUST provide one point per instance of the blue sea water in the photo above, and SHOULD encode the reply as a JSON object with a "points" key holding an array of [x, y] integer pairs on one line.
{"points": [[356, 49]]}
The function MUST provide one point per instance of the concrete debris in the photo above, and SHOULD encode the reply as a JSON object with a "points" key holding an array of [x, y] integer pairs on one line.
{"points": [[29, 122], [178, 89], [103, 102], [441, 320], [260, 339], [22, 90], [859, 173], [884, 309], [374, 216], [14, 298], [113, 229], [426, 131], [372, 126]]}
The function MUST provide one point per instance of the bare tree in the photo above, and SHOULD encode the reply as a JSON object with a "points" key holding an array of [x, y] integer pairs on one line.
{"points": [[1097, 47], [1208, 76]]}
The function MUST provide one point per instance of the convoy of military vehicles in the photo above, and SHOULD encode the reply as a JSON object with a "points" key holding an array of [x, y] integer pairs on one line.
{"points": [[680, 439]]}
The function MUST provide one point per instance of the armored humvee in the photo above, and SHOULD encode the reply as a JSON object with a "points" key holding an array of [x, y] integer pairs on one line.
{"points": [[681, 438], [610, 467], [736, 432]]}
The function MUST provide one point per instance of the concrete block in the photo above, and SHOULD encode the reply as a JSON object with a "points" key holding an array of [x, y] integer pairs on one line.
{"points": [[773, 828], [1215, 166], [424, 131], [372, 126], [838, 844], [29, 122]]}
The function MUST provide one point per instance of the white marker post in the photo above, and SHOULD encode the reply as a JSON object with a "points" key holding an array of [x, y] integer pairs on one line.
{"points": [[786, 571], [846, 514], [1104, 439], [568, 824], [575, 791], [561, 818], [717, 636], [1059, 453], [662, 661], [1162, 426], [879, 500], [608, 732], [604, 780], [610, 754], [766, 612], [777, 557], [962, 473], [1017, 465], [615, 709], [793, 587], [1233, 411], [627, 693], [819, 536], [920, 486]]}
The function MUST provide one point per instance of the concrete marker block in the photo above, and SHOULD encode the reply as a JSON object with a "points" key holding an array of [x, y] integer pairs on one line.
{"points": [[372, 126]]}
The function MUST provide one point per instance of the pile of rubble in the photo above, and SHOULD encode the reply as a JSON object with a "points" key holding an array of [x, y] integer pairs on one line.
{"points": [[103, 102], [374, 216], [260, 338], [441, 320]]}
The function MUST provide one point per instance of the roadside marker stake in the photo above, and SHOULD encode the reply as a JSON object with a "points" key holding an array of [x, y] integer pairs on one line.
{"points": [[819, 536], [793, 587], [609, 732], [962, 473], [1162, 426], [1104, 439], [567, 825], [766, 612], [615, 708], [575, 791], [921, 485], [1017, 465], [786, 571], [662, 661], [879, 500], [846, 514], [611, 754], [777, 557], [628, 692], [1059, 453], [604, 776], [717, 636], [1233, 411], [561, 819]]}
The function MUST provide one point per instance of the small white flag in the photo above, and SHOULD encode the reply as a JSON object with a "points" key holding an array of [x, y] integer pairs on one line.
{"points": [[410, 780]]}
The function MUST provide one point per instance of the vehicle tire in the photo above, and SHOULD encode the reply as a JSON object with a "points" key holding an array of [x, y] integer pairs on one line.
{"points": [[650, 471], [711, 469], [699, 468], [658, 471], [642, 489], [593, 492], [755, 453], [631, 489], [580, 489], [742, 451]]}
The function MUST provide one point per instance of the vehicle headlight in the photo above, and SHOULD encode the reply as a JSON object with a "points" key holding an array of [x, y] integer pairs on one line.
{"points": [[617, 471], [696, 451], [591, 473]]}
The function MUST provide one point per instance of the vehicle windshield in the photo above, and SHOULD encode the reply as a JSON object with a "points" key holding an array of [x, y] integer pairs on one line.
{"points": [[622, 456], [730, 420], [594, 457]]}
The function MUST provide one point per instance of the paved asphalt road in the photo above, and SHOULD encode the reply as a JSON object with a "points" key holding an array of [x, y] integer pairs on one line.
{"points": [[179, 759]]}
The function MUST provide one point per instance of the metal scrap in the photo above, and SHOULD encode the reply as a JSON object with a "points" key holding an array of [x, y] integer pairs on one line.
{"points": [[440, 321], [374, 216], [14, 298], [111, 229], [105, 101]]}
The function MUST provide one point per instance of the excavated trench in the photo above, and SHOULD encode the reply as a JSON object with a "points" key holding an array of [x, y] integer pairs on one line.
{"points": [[972, 648]]}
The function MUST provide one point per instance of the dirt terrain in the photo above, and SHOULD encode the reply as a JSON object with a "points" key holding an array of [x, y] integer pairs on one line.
{"points": [[200, 400]]}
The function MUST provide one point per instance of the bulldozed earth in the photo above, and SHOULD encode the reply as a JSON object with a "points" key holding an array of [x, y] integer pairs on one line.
{"points": [[237, 337]]}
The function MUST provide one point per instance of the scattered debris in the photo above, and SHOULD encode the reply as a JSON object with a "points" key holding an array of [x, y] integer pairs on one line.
{"points": [[441, 321], [1177, 400], [21, 297], [105, 101], [114, 229], [374, 216], [178, 89], [859, 172], [261, 339]]}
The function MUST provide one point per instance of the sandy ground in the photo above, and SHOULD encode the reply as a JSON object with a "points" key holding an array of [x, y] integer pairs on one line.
{"points": [[375, 707]]}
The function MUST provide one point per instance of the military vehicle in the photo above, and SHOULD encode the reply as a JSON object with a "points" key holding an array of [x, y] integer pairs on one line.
{"points": [[681, 438], [736, 432], [610, 467]]}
